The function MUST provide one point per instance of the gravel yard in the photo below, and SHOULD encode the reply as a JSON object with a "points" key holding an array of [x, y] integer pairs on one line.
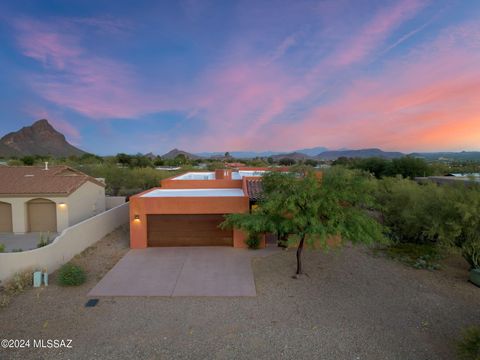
{"points": [[352, 305]]}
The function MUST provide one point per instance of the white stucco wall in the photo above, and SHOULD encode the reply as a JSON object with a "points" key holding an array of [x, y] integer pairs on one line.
{"points": [[69, 243], [87, 201], [20, 214], [114, 201]]}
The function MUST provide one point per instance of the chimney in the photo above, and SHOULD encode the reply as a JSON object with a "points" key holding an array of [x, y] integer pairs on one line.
{"points": [[46, 165]]}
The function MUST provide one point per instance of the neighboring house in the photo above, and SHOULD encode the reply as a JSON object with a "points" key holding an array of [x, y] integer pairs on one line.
{"points": [[42, 199], [187, 209]]}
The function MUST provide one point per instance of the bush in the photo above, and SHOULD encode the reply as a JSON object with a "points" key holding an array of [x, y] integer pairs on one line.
{"points": [[469, 346], [419, 256], [71, 275], [471, 253], [2, 248], [44, 240], [253, 241]]}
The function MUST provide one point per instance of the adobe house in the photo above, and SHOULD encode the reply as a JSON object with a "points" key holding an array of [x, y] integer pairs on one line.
{"points": [[187, 209], [43, 199]]}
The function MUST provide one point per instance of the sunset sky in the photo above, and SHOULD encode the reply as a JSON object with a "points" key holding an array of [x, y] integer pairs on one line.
{"points": [[141, 76]]}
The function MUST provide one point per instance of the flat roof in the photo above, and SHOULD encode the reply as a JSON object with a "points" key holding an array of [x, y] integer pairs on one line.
{"points": [[195, 193]]}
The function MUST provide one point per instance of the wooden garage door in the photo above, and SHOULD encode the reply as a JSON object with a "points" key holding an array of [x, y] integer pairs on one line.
{"points": [[42, 216], [5, 217], [187, 230]]}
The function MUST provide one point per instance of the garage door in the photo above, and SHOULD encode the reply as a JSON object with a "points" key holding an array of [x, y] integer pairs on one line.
{"points": [[5, 217], [42, 216], [187, 230]]}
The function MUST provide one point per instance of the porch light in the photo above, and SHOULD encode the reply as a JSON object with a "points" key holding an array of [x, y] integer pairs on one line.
{"points": [[62, 205], [136, 218]]}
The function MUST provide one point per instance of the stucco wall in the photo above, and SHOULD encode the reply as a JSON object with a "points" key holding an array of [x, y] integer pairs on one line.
{"points": [[114, 201], [143, 206], [87, 201], [69, 243], [20, 216]]}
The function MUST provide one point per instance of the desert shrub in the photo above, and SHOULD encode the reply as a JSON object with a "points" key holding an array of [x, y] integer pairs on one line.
{"points": [[471, 253], [2, 248], [469, 346], [44, 240], [17, 250], [18, 283], [253, 241], [71, 275], [419, 256]]}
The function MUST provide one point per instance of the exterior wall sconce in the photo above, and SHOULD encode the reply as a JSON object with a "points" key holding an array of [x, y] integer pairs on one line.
{"points": [[136, 218], [62, 205]]}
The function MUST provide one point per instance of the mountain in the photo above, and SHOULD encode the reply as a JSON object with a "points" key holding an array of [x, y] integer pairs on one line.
{"points": [[239, 154], [293, 155], [38, 139], [172, 154], [312, 151], [445, 156], [361, 153]]}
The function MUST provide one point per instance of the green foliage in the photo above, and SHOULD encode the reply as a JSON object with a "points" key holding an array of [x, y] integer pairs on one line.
{"points": [[28, 160], [215, 165], [253, 241], [126, 180], [468, 347], [312, 211], [44, 240], [286, 162], [14, 162], [2, 248], [71, 275], [17, 250], [419, 256], [311, 162], [407, 166], [471, 253]]}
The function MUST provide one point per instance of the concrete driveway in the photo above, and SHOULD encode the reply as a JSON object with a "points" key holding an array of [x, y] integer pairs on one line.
{"points": [[182, 271], [24, 242]]}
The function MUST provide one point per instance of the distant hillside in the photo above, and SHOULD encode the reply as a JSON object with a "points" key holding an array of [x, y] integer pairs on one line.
{"points": [[38, 139], [462, 155], [172, 154], [312, 151], [292, 155], [361, 153]]}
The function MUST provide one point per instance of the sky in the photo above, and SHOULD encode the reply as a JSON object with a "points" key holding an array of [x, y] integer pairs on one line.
{"points": [[201, 75]]}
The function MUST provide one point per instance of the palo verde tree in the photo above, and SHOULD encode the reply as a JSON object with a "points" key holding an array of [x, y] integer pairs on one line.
{"points": [[312, 210]]}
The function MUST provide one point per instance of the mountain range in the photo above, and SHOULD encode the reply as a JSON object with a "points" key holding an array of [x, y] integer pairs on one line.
{"points": [[42, 139], [38, 139]]}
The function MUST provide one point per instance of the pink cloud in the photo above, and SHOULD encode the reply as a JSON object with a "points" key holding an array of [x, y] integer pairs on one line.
{"points": [[375, 32]]}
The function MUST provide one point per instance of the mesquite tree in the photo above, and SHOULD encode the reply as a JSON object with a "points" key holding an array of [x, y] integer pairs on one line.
{"points": [[312, 209]]}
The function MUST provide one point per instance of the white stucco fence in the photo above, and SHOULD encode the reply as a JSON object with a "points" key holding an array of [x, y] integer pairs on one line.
{"points": [[70, 242]]}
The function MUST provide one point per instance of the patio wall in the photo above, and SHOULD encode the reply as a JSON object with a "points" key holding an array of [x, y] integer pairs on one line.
{"points": [[69, 243]]}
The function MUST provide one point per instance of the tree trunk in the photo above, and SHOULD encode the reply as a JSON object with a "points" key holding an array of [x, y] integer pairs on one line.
{"points": [[299, 255]]}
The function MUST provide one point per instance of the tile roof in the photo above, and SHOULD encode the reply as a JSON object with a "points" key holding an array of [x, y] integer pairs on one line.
{"points": [[254, 189], [34, 180]]}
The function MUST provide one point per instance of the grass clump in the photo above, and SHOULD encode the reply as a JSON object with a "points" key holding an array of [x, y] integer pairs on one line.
{"points": [[44, 240], [2, 248], [468, 347], [17, 284], [71, 275], [419, 256]]}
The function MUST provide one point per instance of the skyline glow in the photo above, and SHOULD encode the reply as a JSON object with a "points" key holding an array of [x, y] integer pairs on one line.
{"points": [[221, 76]]}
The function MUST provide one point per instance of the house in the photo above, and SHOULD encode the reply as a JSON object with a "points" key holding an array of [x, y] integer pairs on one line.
{"points": [[187, 209], [43, 199]]}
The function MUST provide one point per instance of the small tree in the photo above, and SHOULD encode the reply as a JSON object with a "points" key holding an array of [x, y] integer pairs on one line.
{"points": [[311, 211]]}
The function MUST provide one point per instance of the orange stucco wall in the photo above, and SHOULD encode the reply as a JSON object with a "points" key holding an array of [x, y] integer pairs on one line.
{"points": [[201, 184], [143, 206]]}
